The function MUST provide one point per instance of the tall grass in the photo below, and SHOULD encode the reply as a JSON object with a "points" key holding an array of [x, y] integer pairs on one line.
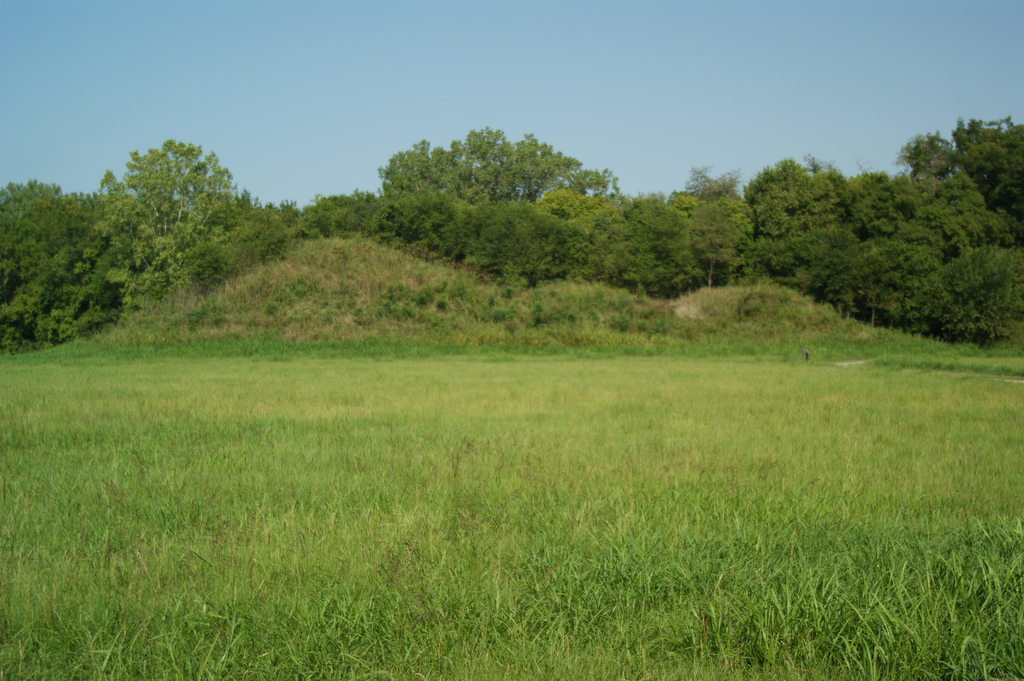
{"points": [[355, 290], [505, 515]]}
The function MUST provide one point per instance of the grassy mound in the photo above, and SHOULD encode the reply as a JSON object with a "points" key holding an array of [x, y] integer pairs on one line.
{"points": [[354, 288]]}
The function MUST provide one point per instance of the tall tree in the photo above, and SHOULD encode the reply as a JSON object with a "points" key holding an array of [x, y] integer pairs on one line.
{"points": [[703, 186], [164, 211], [992, 155], [52, 267], [788, 200], [928, 159], [880, 205], [650, 251], [486, 166], [714, 238], [977, 296], [958, 215]]}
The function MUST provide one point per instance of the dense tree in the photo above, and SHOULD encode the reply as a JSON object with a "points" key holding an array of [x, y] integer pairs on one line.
{"points": [[571, 205], [429, 219], [19, 200], [650, 251], [788, 200], [715, 235], [928, 159], [170, 202], [256, 234], [488, 167], [709, 189], [977, 296], [340, 214], [957, 214], [832, 267], [879, 205], [992, 155], [520, 242], [52, 267]]}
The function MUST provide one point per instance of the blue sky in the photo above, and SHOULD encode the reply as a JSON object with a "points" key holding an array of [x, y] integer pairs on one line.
{"points": [[304, 98]]}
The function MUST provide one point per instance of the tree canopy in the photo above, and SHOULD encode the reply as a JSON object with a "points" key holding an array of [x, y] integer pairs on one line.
{"points": [[166, 211], [486, 166], [936, 249]]}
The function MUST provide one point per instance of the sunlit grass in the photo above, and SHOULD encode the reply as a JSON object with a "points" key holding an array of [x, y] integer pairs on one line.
{"points": [[355, 290], [505, 515]]}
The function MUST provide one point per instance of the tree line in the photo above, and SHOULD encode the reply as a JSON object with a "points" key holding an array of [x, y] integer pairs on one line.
{"points": [[936, 249]]}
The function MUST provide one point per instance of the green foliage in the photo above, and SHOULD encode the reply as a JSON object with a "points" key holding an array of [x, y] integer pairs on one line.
{"points": [[340, 214], [487, 167], [880, 205], [285, 510], [685, 203], [957, 214], [788, 200], [169, 201], [651, 251], [571, 205], [978, 296], [928, 159], [207, 263], [785, 202], [715, 239], [262, 234], [520, 241], [992, 155], [708, 189], [832, 268], [431, 219], [53, 265]]}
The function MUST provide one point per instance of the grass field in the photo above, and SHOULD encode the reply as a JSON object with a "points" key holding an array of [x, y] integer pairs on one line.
{"points": [[433, 514]]}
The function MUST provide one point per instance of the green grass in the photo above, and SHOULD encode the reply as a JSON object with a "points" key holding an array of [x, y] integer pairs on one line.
{"points": [[356, 509], [353, 290]]}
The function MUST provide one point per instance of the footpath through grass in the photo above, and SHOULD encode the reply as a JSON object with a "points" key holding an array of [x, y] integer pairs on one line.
{"points": [[331, 513]]}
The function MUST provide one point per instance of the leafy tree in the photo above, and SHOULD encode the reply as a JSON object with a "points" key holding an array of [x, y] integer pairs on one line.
{"points": [[650, 251], [170, 201], [832, 268], [518, 241], [18, 200], [977, 296], [992, 155], [430, 219], [896, 274], [879, 285], [788, 200], [255, 233], [339, 214], [488, 167], [880, 205], [916, 255], [52, 267], [715, 235], [704, 187], [957, 214], [684, 203], [568, 204], [719, 223], [928, 159]]}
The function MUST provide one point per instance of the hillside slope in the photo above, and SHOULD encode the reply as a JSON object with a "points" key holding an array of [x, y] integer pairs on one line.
{"points": [[354, 288]]}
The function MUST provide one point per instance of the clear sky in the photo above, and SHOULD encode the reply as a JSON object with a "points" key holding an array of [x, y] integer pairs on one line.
{"points": [[301, 98]]}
